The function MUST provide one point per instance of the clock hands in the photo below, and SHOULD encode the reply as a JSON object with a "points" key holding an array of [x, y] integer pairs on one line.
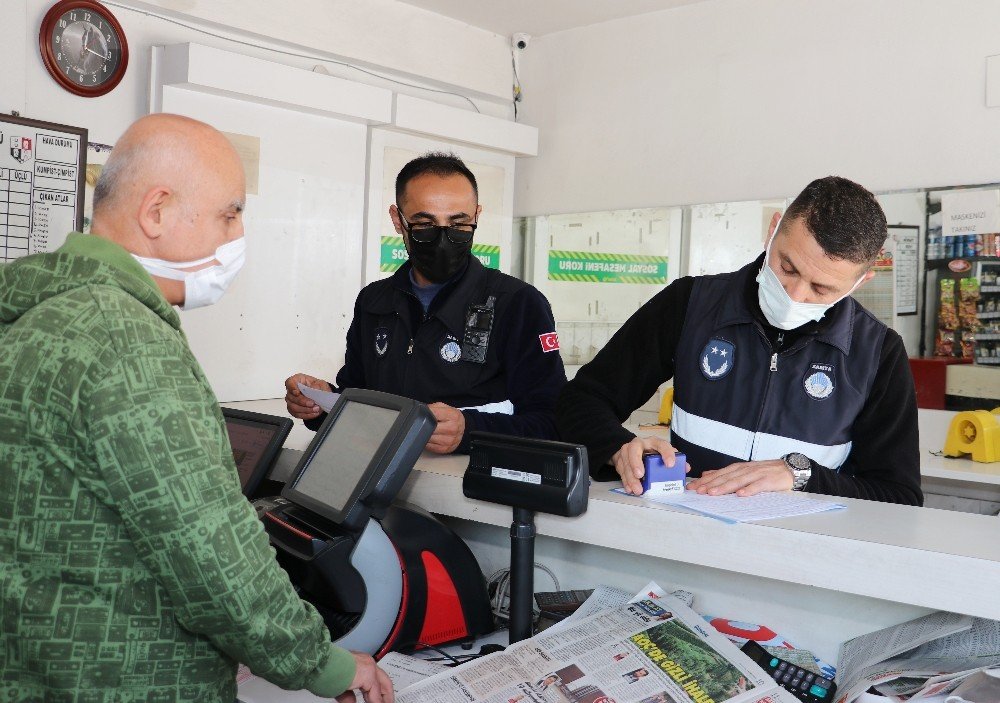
{"points": [[85, 41]]}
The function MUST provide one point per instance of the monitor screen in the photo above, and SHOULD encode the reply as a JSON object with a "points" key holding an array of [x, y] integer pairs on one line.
{"points": [[256, 440], [346, 453]]}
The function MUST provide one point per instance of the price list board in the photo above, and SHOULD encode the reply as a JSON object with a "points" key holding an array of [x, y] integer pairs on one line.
{"points": [[42, 171]]}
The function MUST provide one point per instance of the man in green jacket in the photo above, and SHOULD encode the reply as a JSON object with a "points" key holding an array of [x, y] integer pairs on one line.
{"points": [[131, 566]]}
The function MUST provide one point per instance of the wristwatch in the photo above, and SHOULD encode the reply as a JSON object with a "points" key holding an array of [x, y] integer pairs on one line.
{"points": [[801, 467]]}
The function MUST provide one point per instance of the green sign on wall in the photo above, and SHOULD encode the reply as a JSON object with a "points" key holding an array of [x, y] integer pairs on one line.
{"points": [[590, 267], [394, 254]]}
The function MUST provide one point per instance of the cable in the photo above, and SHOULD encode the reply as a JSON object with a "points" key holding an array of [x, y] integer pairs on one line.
{"points": [[498, 584], [455, 661], [517, 82], [313, 57]]}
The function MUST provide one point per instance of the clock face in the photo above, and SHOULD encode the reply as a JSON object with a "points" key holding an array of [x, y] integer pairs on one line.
{"points": [[83, 47]]}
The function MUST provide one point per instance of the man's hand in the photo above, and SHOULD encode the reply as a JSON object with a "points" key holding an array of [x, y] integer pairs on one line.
{"points": [[298, 405], [374, 684], [449, 431], [745, 479], [628, 460]]}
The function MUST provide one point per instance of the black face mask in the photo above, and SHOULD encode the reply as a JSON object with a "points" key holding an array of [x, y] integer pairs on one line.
{"points": [[440, 260]]}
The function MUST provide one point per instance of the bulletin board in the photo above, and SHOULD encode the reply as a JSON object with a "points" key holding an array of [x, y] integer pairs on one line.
{"points": [[41, 185]]}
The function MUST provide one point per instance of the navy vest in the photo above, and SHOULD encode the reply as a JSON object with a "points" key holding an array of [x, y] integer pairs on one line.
{"points": [[735, 400]]}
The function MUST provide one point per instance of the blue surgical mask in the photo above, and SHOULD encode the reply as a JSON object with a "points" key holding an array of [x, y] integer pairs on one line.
{"points": [[778, 307]]}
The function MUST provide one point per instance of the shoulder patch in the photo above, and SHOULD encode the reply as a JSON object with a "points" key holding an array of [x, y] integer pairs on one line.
{"points": [[549, 341], [717, 359], [818, 381], [381, 341]]}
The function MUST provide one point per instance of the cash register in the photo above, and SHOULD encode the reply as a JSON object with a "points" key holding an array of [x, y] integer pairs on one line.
{"points": [[383, 575]]}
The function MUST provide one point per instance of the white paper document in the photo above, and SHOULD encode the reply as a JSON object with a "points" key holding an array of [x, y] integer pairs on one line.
{"points": [[324, 399], [732, 508]]}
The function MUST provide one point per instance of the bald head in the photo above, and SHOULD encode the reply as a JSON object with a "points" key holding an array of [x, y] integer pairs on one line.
{"points": [[173, 189], [160, 150]]}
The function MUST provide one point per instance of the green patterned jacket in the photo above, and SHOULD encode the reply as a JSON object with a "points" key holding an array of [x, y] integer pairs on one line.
{"points": [[131, 566]]}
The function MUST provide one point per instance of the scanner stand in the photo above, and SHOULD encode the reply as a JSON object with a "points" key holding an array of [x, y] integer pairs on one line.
{"points": [[529, 475], [522, 573]]}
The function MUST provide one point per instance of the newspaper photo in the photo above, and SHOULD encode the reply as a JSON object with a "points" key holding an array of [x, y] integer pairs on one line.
{"points": [[655, 650]]}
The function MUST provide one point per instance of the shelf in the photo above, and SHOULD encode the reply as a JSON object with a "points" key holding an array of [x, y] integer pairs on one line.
{"points": [[989, 289], [988, 360], [988, 315], [988, 337], [943, 263]]}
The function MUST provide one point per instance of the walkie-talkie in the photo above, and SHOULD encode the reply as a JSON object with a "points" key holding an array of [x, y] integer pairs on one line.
{"points": [[478, 324]]}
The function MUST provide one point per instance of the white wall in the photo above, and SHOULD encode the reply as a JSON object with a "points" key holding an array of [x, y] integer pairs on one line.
{"points": [[380, 34], [733, 100]]}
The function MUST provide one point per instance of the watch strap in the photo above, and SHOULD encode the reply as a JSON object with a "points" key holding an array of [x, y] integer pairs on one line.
{"points": [[801, 467]]}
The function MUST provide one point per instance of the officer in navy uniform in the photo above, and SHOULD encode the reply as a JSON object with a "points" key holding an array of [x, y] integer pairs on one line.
{"points": [[477, 345], [781, 379]]}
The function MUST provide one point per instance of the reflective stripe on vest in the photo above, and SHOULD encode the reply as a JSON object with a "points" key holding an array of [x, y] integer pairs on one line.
{"points": [[745, 445]]}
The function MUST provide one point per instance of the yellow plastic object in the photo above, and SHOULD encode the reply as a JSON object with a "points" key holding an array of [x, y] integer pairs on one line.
{"points": [[976, 432], [666, 406]]}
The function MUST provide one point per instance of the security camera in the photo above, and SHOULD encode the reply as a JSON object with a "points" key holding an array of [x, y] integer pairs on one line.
{"points": [[520, 40]]}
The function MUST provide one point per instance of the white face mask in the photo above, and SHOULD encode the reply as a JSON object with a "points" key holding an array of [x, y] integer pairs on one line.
{"points": [[205, 286], [778, 307]]}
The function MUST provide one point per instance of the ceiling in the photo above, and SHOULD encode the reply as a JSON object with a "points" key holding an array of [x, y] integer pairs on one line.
{"points": [[538, 17]]}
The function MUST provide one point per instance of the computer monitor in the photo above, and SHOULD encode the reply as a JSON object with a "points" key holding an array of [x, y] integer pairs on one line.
{"points": [[360, 457], [256, 440]]}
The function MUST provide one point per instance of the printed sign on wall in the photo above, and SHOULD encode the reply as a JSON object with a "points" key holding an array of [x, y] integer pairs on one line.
{"points": [[596, 267], [970, 212]]}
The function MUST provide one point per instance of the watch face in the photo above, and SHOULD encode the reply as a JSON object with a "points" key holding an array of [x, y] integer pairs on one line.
{"points": [[83, 47], [798, 461]]}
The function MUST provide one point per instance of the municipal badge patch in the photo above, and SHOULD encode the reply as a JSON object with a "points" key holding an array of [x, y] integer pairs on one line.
{"points": [[717, 359], [450, 350], [381, 341], [818, 381]]}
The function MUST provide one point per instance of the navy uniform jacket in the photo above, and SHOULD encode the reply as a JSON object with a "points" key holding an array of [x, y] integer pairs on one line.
{"points": [[839, 390], [392, 346]]}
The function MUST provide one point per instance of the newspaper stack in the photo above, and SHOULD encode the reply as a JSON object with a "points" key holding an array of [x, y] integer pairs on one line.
{"points": [[654, 650], [936, 655]]}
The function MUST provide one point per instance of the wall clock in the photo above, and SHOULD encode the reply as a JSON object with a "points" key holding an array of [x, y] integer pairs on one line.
{"points": [[83, 47]]}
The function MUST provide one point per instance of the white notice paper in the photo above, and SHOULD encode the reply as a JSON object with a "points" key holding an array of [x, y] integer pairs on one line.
{"points": [[324, 399], [970, 212], [732, 508]]}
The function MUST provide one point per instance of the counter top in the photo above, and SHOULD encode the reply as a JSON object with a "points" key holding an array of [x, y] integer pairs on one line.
{"points": [[919, 556]]}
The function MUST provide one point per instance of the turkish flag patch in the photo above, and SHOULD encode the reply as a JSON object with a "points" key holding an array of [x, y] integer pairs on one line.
{"points": [[550, 342]]}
